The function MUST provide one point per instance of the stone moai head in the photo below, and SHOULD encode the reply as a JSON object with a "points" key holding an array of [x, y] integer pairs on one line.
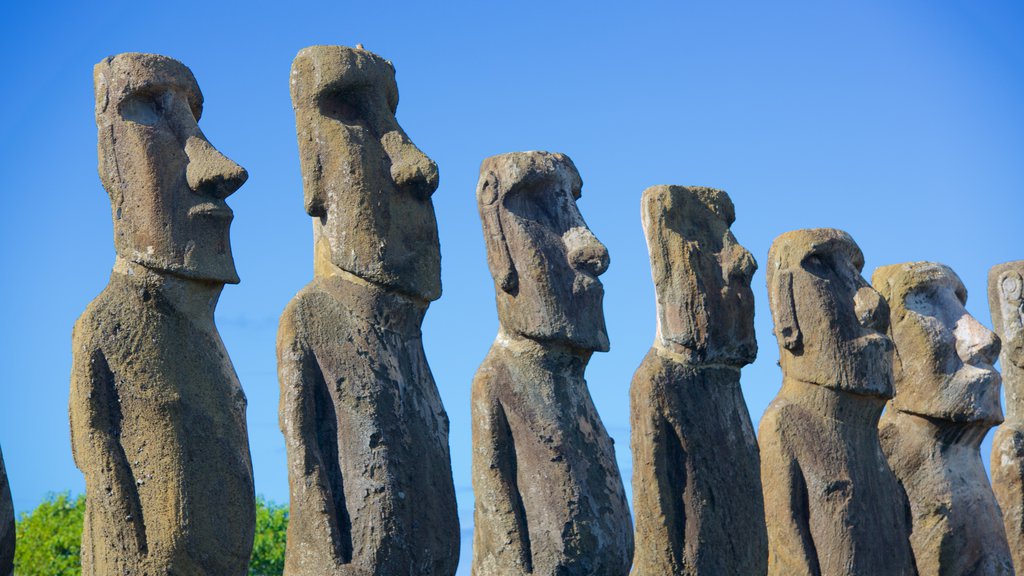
{"points": [[830, 323], [701, 275], [366, 185], [166, 182], [1006, 301], [544, 260], [943, 362]]}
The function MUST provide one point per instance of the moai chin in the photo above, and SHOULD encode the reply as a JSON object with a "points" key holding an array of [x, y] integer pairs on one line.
{"points": [[6, 524], [832, 505], [366, 434], [549, 497], [946, 399], [1006, 302], [696, 469], [157, 413]]}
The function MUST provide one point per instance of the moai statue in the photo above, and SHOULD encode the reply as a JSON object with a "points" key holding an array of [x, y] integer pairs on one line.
{"points": [[157, 413], [6, 524], [696, 470], [366, 434], [833, 507], [549, 497], [946, 400], [1006, 302]]}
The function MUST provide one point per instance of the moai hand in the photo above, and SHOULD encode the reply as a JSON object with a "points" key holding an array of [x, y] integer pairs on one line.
{"points": [[946, 400], [832, 505], [6, 524], [1006, 302], [157, 413], [366, 434], [549, 497], [696, 477]]}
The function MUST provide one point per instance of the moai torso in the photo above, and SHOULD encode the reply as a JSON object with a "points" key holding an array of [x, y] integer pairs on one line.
{"points": [[832, 505], [1006, 302], [6, 524], [696, 471], [946, 399], [549, 497], [157, 414], [366, 434]]}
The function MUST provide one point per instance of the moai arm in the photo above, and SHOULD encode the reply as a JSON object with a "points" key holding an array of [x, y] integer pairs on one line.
{"points": [[504, 532], [95, 413], [791, 550], [315, 492]]}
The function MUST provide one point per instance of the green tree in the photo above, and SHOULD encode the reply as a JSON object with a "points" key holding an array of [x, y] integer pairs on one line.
{"points": [[268, 546], [50, 538]]}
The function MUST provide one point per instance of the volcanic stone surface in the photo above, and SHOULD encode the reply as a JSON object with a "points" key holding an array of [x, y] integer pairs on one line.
{"points": [[696, 469], [833, 507], [157, 413], [365, 431], [549, 498]]}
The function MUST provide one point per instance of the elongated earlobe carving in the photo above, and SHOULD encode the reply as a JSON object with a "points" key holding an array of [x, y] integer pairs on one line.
{"points": [[499, 260], [786, 327]]}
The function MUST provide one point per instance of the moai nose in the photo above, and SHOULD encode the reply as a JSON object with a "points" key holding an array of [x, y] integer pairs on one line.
{"points": [[211, 173], [872, 310], [585, 252], [975, 344], [411, 169]]}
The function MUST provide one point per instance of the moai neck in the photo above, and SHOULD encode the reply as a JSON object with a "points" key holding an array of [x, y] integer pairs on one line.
{"points": [[553, 357], [194, 299], [843, 407], [387, 309], [684, 359]]}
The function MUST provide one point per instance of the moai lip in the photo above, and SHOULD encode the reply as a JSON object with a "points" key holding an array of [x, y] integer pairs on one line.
{"points": [[946, 399], [1006, 302], [367, 436], [532, 413], [157, 413], [6, 523], [832, 505], [697, 494]]}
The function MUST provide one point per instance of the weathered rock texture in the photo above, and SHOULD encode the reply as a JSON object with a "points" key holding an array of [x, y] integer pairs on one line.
{"points": [[946, 399], [696, 470], [1006, 302], [832, 505], [366, 434], [157, 413], [6, 524], [549, 497]]}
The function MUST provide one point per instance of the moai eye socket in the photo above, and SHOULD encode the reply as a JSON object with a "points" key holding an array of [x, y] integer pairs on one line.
{"points": [[816, 265], [142, 109], [345, 106]]}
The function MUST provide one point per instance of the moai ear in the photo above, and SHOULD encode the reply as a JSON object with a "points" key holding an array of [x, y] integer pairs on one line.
{"points": [[499, 260], [787, 329], [1011, 286]]}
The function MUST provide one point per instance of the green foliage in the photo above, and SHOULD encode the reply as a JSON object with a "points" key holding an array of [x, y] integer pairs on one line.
{"points": [[268, 547], [50, 538]]}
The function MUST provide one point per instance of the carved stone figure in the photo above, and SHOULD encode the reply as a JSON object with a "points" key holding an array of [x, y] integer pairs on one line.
{"points": [[157, 413], [366, 434], [1006, 302], [947, 398], [696, 469], [832, 505], [549, 497], [6, 524]]}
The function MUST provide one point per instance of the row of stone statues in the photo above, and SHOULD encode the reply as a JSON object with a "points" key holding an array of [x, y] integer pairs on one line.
{"points": [[158, 416]]}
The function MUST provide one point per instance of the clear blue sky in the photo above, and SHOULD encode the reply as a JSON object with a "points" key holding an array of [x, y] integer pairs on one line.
{"points": [[900, 122]]}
